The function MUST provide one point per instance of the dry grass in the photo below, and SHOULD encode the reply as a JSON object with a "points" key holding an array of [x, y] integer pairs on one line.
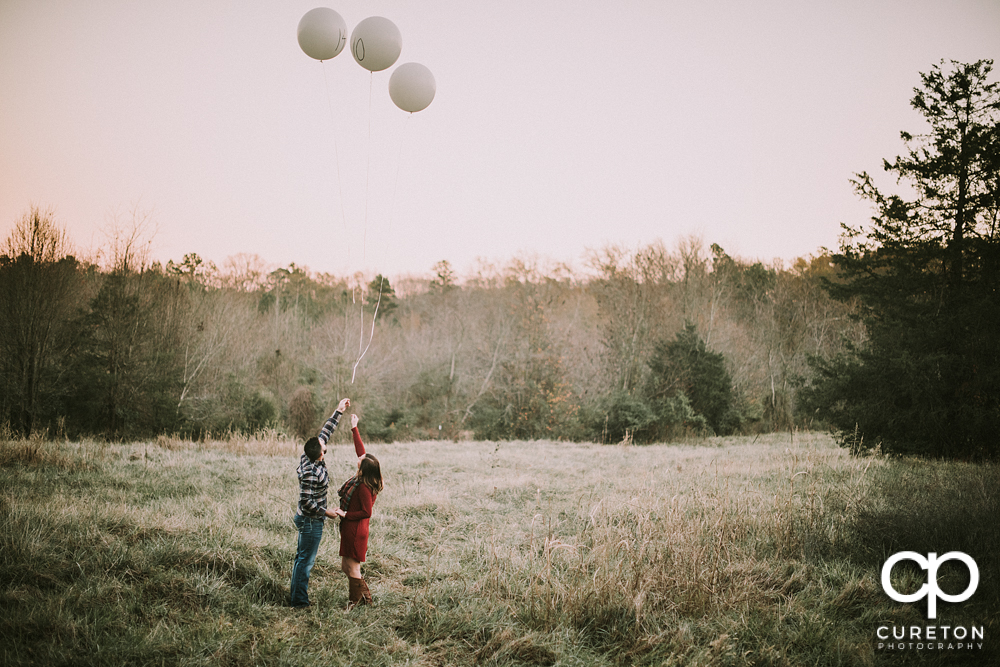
{"points": [[729, 551]]}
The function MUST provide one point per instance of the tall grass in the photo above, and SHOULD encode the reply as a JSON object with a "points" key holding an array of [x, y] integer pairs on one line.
{"points": [[731, 551]]}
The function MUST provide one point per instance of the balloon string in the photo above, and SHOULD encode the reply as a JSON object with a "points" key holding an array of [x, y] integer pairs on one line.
{"points": [[340, 191], [372, 337], [395, 185], [362, 350], [368, 167], [385, 248], [361, 341], [336, 154]]}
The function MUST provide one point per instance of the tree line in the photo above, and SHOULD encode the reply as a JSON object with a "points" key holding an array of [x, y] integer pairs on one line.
{"points": [[648, 344], [892, 342]]}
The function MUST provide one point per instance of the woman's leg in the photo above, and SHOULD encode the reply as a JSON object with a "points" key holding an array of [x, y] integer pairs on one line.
{"points": [[357, 589], [350, 567]]}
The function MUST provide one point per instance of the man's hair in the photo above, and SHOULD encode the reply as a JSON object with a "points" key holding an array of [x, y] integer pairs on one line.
{"points": [[313, 449]]}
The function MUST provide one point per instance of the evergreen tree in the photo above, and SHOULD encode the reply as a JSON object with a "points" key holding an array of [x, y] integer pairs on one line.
{"points": [[684, 372], [925, 276], [445, 279], [125, 369], [381, 295]]}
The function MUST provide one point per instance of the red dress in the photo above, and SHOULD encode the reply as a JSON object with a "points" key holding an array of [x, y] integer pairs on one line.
{"points": [[354, 525]]}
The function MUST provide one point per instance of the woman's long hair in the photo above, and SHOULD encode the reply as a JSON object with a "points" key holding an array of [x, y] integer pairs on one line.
{"points": [[371, 474]]}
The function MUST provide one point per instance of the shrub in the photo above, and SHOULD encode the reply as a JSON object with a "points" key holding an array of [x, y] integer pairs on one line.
{"points": [[622, 415], [385, 426], [302, 412], [531, 399], [238, 408], [430, 397], [686, 366], [675, 417]]}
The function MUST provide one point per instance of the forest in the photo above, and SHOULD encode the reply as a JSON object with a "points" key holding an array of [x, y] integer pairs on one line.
{"points": [[646, 345], [891, 341]]}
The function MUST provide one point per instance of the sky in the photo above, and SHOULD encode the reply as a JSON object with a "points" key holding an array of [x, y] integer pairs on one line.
{"points": [[558, 127]]}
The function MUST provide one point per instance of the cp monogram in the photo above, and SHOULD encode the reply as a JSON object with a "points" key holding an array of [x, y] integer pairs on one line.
{"points": [[930, 589]]}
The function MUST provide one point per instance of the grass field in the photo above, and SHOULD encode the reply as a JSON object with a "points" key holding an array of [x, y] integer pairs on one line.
{"points": [[728, 551]]}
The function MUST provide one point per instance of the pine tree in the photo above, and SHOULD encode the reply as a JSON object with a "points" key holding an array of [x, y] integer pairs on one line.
{"points": [[684, 369], [924, 277]]}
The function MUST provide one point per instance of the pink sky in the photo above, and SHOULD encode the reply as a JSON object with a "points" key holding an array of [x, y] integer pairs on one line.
{"points": [[557, 126]]}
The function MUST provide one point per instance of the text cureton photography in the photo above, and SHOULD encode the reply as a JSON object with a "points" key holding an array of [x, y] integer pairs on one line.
{"points": [[930, 638], [912, 637]]}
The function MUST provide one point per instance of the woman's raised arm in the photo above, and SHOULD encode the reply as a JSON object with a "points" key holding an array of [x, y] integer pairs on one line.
{"points": [[359, 447]]}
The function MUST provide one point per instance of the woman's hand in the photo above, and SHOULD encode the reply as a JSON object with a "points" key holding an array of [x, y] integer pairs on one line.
{"points": [[354, 421], [343, 405], [339, 512]]}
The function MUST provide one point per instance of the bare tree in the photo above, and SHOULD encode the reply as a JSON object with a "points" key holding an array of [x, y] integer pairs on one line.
{"points": [[39, 287], [245, 272], [633, 297]]}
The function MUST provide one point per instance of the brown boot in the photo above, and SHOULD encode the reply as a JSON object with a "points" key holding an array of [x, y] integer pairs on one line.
{"points": [[366, 595], [354, 594]]}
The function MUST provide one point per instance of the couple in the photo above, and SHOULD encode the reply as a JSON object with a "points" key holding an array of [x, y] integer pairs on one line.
{"points": [[356, 498]]}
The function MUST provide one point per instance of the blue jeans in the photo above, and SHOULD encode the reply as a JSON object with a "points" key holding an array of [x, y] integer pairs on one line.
{"points": [[310, 534]]}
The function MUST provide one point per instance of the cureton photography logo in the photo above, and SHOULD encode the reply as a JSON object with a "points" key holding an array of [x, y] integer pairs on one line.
{"points": [[930, 637]]}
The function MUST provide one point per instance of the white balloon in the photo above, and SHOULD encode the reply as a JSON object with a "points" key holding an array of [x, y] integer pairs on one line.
{"points": [[376, 43], [322, 33], [412, 87]]}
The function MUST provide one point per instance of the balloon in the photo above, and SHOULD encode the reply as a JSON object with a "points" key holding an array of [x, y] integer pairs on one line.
{"points": [[376, 43], [322, 33], [412, 87]]}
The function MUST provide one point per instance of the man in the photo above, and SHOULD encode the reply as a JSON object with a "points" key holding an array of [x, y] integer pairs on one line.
{"points": [[312, 511]]}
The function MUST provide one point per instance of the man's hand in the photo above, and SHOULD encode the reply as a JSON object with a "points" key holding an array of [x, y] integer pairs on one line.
{"points": [[343, 405], [354, 421]]}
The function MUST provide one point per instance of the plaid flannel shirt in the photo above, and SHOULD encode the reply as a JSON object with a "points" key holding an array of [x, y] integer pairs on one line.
{"points": [[313, 478]]}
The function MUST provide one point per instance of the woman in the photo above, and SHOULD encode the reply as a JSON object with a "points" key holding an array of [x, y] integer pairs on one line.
{"points": [[357, 496]]}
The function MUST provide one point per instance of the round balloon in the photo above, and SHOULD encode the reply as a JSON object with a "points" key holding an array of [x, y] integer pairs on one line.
{"points": [[412, 87], [376, 43], [322, 33]]}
